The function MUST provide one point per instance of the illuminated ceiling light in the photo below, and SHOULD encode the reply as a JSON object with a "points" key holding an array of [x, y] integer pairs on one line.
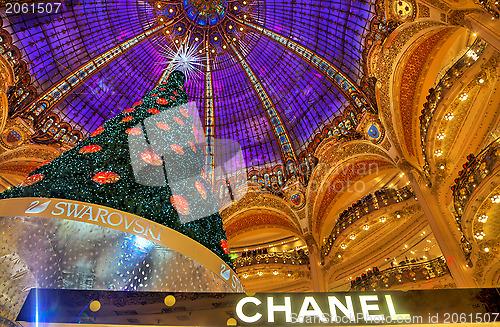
{"points": [[343, 246], [442, 166], [245, 275], [463, 96], [352, 237], [196, 39], [438, 153], [234, 39], [275, 272], [289, 275], [179, 29], [401, 175], [479, 235], [241, 28], [168, 32], [171, 10], [244, 2], [244, 16], [224, 46], [398, 216], [441, 136], [260, 273], [449, 116], [235, 7], [158, 5], [473, 55], [215, 38], [340, 256], [483, 219], [366, 227], [406, 246], [486, 249], [495, 199], [474, 34], [213, 50], [161, 19], [230, 27], [382, 219], [184, 58], [481, 81], [423, 233]]}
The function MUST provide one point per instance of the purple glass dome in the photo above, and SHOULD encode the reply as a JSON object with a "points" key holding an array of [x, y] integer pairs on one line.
{"points": [[250, 69]]}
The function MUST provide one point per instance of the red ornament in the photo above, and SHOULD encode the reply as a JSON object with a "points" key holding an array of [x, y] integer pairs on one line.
{"points": [[181, 88], [126, 111], [223, 244], [153, 111], [133, 131], [98, 131], [138, 103], [177, 149], [162, 89], [45, 162], [175, 93], [90, 149], [178, 121], [192, 146], [201, 189], [30, 180], [106, 177], [184, 112], [204, 175], [151, 158], [127, 119], [163, 126], [171, 97], [195, 134], [162, 101], [154, 95], [180, 204]]}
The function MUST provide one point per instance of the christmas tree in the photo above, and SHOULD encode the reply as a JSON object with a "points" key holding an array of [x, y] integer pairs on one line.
{"points": [[147, 161]]}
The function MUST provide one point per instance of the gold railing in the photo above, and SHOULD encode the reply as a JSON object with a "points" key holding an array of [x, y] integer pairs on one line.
{"points": [[409, 273], [357, 210], [273, 257]]}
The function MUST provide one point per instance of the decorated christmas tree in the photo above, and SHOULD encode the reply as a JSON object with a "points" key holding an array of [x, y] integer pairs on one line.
{"points": [[147, 161]]}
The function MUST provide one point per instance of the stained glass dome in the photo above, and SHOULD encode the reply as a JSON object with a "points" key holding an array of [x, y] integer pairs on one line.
{"points": [[270, 74]]}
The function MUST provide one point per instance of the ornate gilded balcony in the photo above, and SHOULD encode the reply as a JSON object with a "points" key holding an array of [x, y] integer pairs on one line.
{"points": [[363, 207], [438, 92], [476, 169], [273, 257], [395, 276]]}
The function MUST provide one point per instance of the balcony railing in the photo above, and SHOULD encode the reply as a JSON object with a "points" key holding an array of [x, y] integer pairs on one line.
{"points": [[438, 92], [408, 273], [476, 169], [366, 205], [273, 257]]}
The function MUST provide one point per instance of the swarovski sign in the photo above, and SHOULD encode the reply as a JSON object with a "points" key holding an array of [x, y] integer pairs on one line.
{"points": [[123, 221]]}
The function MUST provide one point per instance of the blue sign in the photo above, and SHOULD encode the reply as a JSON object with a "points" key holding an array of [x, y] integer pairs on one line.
{"points": [[373, 132]]}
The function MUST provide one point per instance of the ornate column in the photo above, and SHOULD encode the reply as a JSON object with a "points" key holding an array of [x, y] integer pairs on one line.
{"points": [[317, 274], [443, 227]]}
